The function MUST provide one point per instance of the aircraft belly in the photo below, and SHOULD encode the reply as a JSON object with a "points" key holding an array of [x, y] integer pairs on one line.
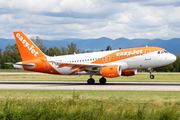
{"points": [[67, 71]]}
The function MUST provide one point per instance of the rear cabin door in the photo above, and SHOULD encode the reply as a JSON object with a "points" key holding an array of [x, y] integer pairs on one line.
{"points": [[46, 66]]}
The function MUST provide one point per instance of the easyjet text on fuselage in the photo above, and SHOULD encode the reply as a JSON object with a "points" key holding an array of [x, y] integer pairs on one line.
{"points": [[130, 52]]}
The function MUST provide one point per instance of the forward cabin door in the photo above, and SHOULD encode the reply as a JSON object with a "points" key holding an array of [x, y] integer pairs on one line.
{"points": [[148, 55]]}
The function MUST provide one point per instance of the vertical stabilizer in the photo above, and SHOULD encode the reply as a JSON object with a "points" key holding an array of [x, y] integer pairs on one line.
{"points": [[27, 48]]}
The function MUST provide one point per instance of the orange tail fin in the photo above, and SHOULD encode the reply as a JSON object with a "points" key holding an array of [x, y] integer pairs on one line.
{"points": [[27, 48]]}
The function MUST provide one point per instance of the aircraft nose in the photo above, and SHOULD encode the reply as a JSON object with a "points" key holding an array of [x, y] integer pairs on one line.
{"points": [[172, 58]]}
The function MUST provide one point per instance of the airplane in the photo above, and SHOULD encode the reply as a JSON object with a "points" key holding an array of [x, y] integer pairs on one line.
{"points": [[108, 64]]}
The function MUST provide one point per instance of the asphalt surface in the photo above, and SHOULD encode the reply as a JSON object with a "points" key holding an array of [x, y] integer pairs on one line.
{"points": [[133, 86]]}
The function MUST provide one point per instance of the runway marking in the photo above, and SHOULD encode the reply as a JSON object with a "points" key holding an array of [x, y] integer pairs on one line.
{"points": [[132, 86], [20, 73]]}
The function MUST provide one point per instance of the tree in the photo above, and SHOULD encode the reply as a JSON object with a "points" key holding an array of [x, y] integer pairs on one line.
{"points": [[39, 42], [169, 68], [108, 48], [176, 65], [83, 51], [42, 48], [72, 48], [64, 50], [12, 55], [89, 51], [53, 51]]}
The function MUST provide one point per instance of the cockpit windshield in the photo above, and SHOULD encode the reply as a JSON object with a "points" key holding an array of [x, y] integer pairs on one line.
{"points": [[161, 52]]}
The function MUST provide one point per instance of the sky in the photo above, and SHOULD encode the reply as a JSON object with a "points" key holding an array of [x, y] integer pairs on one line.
{"points": [[84, 19]]}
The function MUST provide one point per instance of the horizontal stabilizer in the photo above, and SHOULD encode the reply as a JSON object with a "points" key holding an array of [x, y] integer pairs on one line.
{"points": [[19, 65], [31, 64]]}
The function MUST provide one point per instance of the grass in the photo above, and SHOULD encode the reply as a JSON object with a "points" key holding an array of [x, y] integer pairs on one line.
{"points": [[87, 104], [12, 70], [77, 105], [158, 96], [140, 77]]}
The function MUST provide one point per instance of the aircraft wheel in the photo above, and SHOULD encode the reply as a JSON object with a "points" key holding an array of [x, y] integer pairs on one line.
{"points": [[152, 76], [102, 80], [90, 81]]}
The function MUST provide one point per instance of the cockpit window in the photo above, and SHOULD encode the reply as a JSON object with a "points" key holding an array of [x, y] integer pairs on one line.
{"points": [[161, 52]]}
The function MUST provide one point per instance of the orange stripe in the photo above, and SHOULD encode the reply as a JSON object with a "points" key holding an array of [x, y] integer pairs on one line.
{"points": [[127, 53], [61, 66], [40, 66], [74, 71], [77, 67], [82, 70]]}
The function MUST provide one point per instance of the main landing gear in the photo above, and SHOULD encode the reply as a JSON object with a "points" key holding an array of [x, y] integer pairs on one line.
{"points": [[102, 80], [150, 71], [92, 81]]}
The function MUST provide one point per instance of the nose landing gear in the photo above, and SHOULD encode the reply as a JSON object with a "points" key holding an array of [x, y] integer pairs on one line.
{"points": [[152, 76], [150, 71]]}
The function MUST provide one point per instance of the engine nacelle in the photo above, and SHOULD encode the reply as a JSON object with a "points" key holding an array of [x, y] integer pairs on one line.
{"points": [[111, 71], [129, 72]]}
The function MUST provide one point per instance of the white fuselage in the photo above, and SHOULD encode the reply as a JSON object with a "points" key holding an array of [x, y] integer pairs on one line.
{"points": [[141, 61]]}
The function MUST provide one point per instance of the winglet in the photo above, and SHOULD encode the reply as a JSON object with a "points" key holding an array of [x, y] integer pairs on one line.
{"points": [[27, 48]]}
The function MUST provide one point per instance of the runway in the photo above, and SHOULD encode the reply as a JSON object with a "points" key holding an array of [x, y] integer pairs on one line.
{"points": [[131, 86]]}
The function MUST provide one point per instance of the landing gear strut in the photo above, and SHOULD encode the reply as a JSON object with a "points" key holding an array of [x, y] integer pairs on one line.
{"points": [[150, 71], [91, 80], [102, 80]]}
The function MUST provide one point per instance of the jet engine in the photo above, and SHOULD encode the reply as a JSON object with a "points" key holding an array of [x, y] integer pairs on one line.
{"points": [[111, 71], [129, 72]]}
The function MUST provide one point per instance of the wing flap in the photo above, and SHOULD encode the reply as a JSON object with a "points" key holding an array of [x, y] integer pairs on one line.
{"points": [[77, 64]]}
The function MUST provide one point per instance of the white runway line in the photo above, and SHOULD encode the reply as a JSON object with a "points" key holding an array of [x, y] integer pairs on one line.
{"points": [[132, 86], [20, 73]]}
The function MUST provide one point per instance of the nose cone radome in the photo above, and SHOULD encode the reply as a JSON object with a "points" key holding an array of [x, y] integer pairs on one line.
{"points": [[172, 58]]}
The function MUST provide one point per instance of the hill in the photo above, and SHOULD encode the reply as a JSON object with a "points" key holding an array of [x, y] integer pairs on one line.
{"points": [[172, 45]]}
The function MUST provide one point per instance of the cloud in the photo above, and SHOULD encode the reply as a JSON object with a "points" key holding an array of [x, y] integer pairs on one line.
{"points": [[59, 19]]}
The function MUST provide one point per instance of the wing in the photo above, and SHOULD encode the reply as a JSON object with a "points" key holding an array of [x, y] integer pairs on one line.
{"points": [[87, 66]]}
